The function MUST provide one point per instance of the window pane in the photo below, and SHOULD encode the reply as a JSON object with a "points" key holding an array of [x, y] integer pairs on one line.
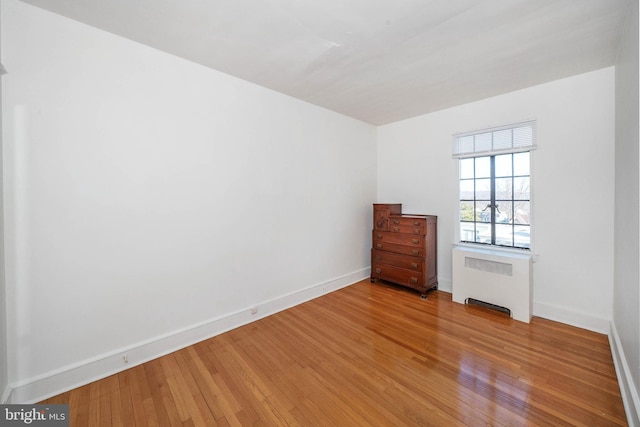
{"points": [[522, 211], [465, 144], [503, 165], [521, 188], [466, 211], [522, 236], [502, 139], [466, 168], [483, 167], [483, 142], [483, 233], [504, 235], [504, 213], [522, 136], [483, 211], [466, 189], [503, 188], [468, 232], [521, 164], [483, 189]]}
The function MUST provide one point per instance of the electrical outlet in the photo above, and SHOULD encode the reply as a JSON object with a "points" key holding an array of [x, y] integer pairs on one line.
{"points": [[324, 289], [125, 358], [254, 310]]}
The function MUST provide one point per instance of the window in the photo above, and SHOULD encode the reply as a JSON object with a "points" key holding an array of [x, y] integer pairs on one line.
{"points": [[495, 177]]}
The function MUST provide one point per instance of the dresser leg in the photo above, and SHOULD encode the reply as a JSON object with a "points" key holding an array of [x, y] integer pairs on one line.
{"points": [[373, 280], [423, 296]]}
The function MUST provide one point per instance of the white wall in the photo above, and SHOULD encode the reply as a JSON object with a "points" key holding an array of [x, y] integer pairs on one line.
{"points": [[626, 319], [4, 373], [148, 196], [572, 185]]}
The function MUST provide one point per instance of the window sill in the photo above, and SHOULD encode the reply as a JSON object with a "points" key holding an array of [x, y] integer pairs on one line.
{"points": [[497, 250]]}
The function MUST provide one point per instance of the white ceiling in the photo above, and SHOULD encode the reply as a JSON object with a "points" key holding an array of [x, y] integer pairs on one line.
{"points": [[375, 60]]}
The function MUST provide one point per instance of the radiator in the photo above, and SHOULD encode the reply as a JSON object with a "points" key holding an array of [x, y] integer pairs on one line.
{"points": [[493, 277]]}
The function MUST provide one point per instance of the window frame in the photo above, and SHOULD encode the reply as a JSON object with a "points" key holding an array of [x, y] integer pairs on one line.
{"points": [[466, 146], [494, 201]]}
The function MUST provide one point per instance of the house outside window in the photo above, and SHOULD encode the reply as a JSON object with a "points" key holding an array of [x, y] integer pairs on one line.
{"points": [[495, 185]]}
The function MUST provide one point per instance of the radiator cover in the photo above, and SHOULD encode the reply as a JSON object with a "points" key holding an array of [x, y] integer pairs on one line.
{"points": [[499, 278]]}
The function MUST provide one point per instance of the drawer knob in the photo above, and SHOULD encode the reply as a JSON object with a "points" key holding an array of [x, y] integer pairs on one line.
{"points": [[416, 222], [414, 265], [378, 236], [415, 252], [378, 270], [395, 228], [379, 246], [416, 231], [396, 221], [415, 241], [414, 280]]}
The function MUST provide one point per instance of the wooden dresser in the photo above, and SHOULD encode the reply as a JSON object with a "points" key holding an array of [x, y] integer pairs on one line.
{"points": [[404, 248]]}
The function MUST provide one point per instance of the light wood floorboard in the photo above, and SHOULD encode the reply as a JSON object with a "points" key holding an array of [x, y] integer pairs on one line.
{"points": [[369, 354]]}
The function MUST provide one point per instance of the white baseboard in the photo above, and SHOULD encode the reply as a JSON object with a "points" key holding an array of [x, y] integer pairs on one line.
{"points": [[628, 388], [69, 377], [571, 317], [4, 397]]}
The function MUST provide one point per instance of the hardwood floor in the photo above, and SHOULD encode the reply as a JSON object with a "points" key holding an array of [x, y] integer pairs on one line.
{"points": [[369, 354]]}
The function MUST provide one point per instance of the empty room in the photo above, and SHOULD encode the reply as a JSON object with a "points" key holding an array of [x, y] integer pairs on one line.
{"points": [[234, 212]]}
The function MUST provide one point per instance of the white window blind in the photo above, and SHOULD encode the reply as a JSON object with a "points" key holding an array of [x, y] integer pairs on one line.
{"points": [[504, 139]]}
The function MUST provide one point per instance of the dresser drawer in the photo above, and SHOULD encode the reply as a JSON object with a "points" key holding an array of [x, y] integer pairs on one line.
{"points": [[403, 261], [400, 249], [412, 240], [408, 221], [402, 276], [409, 225], [408, 229]]}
